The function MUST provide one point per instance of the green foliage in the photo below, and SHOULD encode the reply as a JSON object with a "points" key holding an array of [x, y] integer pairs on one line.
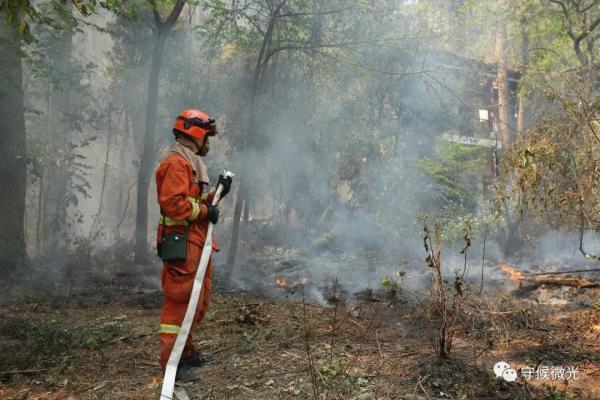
{"points": [[47, 338], [386, 282], [351, 98], [18, 14], [556, 165], [391, 286], [40, 341], [456, 169], [327, 370], [21, 15]]}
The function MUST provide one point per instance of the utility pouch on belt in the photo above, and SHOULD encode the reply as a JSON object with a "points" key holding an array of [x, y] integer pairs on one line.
{"points": [[173, 246]]}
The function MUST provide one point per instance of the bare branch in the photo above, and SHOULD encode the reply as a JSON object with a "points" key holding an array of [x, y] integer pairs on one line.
{"points": [[589, 7], [172, 18], [442, 84], [301, 46], [567, 16], [592, 27], [369, 68], [586, 30], [306, 14]]}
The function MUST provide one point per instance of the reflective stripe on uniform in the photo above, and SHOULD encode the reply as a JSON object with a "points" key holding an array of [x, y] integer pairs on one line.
{"points": [[195, 208], [168, 221], [169, 329]]}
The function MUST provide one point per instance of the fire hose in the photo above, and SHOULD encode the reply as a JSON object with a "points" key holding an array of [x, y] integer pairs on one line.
{"points": [[171, 370]]}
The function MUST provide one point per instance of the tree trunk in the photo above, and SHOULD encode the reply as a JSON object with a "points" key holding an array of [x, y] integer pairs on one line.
{"points": [[247, 141], [242, 192], [522, 112], [235, 230], [504, 128], [149, 144], [148, 150], [13, 170], [94, 229]]}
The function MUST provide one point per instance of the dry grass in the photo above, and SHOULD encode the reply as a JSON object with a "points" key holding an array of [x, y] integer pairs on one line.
{"points": [[291, 349]]}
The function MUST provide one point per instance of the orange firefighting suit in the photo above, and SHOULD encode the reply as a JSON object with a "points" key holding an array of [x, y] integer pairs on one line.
{"points": [[179, 197]]}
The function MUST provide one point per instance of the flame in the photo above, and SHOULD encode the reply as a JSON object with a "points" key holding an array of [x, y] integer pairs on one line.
{"points": [[512, 273], [280, 282]]}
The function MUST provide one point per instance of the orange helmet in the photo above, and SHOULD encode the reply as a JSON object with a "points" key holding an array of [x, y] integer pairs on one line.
{"points": [[194, 123]]}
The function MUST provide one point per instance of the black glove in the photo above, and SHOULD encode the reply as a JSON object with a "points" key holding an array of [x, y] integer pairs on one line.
{"points": [[226, 182], [213, 213]]}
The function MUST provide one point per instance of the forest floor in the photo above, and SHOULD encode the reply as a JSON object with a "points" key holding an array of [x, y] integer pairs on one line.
{"points": [[375, 346]]}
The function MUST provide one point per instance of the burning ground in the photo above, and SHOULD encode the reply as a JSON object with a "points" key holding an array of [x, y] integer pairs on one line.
{"points": [[374, 344]]}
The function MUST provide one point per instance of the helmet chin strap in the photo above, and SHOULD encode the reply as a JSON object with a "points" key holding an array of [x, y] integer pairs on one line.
{"points": [[198, 147]]}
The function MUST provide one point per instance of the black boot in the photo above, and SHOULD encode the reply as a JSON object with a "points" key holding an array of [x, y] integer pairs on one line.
{"points": [[185, 373], [196, 360]]}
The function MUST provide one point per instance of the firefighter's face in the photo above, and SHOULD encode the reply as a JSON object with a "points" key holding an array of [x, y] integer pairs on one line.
{"points": [[203, 147]]}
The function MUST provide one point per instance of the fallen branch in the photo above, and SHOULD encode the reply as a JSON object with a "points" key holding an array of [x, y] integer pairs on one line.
{"points": [[576, 271], [579, 283], [535, 282]]}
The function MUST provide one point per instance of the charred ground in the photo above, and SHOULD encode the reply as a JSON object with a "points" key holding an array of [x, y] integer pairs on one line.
{"points": [[102, 343]]}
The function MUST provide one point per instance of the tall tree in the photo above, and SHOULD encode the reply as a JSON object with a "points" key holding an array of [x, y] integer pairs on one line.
{"points": [[13, 172], [264, 54], [15, 20], [163, 28], [282, 26], [522, 96], [504, 119]]}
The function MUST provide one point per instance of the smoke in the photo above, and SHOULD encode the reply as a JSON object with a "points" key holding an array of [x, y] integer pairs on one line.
{"points": [[333, 166]]}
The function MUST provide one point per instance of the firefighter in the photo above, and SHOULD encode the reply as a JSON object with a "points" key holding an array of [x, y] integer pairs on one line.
{"points": [[181, 180]]}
